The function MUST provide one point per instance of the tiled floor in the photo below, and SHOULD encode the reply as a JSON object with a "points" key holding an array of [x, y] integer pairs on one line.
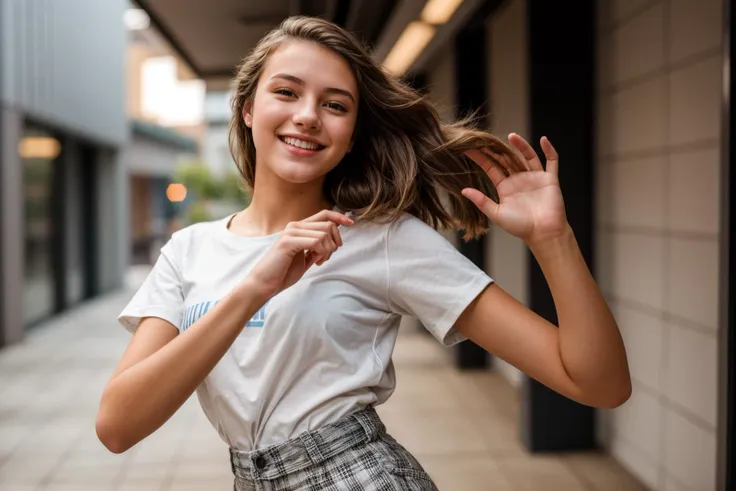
{"points": [[461, 426]]}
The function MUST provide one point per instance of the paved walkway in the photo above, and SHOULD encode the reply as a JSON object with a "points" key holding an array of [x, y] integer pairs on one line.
{"points": [[461, 426]]}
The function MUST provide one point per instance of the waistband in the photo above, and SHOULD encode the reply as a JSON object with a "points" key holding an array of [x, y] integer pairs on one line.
{"points": [[307, 449]]}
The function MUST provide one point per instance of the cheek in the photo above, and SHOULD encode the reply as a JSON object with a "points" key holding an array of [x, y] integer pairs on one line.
{"points": [[342, 133], [265, 121]]}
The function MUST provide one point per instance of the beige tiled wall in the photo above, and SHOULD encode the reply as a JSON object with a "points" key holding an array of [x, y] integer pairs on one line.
{"points": [[507, 256], [657, 229]]}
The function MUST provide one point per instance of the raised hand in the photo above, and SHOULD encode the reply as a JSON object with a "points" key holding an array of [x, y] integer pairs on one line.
{"points": [[530, 202], [301, 245]]}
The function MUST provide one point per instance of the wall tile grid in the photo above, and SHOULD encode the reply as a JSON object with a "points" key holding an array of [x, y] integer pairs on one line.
{"points": [[657, 229]]}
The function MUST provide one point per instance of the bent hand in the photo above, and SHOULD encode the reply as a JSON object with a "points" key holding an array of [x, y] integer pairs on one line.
{"points": [[301, 245], [530, 202]]}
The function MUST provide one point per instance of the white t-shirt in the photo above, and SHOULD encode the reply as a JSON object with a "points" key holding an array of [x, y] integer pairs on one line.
{"points": [[322, 348]]}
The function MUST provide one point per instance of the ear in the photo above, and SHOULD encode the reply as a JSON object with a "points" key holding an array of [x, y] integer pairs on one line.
{"points": [[248, 113]]}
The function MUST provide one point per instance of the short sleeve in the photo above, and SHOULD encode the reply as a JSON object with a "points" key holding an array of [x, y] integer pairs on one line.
{"points": [[430, 279], [161, 293]]}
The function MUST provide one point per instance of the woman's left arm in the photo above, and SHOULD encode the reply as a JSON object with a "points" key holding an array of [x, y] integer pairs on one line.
{"points": [[584, 358]]}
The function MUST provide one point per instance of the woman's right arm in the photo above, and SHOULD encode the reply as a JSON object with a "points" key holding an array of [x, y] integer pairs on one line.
{"points": [[159, 370]]}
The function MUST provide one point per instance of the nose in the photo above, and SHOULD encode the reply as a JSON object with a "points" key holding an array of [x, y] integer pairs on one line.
{"points": [[306, 116]]}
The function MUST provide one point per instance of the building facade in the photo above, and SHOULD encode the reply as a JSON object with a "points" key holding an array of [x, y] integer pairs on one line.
{"points": [[63, 191], [659, 247]]}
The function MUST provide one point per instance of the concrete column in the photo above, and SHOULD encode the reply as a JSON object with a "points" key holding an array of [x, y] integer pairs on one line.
{"points": [[11, 228], [73, 223]]}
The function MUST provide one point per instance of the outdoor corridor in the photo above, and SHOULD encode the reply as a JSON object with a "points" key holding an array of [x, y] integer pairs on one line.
{"points": [[461, 426]]}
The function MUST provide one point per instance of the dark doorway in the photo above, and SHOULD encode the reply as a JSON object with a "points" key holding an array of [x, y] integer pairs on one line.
{"points": [[89, 228]]}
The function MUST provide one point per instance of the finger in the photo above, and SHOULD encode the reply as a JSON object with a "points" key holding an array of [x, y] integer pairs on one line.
{"points": [[328, 227], [326, 244], [494, 171], [527, 152], [329, 215], [310, 259], [483, 202], [329, 244], [307, 242], [512, 162], [335, 232], [306, 232], [553, 160], [480, 158]]}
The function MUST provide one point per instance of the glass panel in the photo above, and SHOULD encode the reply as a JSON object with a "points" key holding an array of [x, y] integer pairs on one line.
{"points": [[38, 150]]}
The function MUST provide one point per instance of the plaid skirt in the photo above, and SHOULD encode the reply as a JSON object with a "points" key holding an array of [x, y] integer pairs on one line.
{"points": [[353, 453]]}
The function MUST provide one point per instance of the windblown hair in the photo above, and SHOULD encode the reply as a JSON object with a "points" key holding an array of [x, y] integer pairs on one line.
{"points": [[404, 159]]}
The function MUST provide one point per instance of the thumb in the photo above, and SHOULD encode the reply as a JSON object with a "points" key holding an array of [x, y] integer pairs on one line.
{"points": [[483, 202], [309, 259]]}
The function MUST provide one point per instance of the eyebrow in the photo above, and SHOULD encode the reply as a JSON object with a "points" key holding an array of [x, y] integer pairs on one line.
{"points": [[330, 90]]}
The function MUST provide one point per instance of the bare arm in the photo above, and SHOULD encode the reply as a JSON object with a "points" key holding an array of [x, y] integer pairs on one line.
{"points": [[150, 385], [584, 359], [160, 370]]}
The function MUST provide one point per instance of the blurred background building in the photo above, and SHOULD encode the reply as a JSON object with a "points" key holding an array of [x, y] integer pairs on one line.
{"points": [[113, 132], [63, 180]]}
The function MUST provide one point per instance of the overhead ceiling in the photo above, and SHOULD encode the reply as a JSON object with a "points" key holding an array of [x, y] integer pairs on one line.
{"points": [[212, 37]]}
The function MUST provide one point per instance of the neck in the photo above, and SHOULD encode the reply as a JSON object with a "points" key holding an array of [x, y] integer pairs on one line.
{"points": [[275, 203]]}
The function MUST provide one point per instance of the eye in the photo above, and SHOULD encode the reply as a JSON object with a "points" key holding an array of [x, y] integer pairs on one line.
{"points": [[337, 106], [285, 92]]}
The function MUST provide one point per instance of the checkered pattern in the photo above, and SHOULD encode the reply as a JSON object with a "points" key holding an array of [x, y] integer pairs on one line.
{"points": [[354, 453]]}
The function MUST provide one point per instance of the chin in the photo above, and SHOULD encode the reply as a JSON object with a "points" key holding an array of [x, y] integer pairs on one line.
{"points": [[300, 173]]}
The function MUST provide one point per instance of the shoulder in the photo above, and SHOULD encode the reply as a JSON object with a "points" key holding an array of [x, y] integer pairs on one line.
{"points": [[408, 228], [191, 236], [405, 227]]}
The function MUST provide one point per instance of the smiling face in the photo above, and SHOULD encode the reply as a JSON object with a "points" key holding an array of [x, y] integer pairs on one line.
{"points": [[303, 113]]}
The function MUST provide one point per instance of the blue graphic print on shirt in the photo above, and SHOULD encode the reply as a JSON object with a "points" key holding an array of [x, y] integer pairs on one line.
{"points": [[194, 312]]}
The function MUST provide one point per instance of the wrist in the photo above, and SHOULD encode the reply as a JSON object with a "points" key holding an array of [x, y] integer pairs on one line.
{"points": [[558, 245], [252, 290]]}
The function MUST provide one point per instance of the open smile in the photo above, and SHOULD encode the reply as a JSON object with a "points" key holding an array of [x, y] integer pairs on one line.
{"points": [[301, 144]]}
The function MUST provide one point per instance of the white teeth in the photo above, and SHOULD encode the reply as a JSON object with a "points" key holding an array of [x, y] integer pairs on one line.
{"points": [[300, 143]]}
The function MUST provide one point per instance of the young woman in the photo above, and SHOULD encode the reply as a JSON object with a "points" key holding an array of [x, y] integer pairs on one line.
{"points": [[283, 317]]}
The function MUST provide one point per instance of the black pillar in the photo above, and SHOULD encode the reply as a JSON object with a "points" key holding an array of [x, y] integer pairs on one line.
{"points": [[562, 99], [471, 59], [89, 218], [726, 478]]}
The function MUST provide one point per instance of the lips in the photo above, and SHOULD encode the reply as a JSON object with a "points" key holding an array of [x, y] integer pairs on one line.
{"points": [[301, 143]]}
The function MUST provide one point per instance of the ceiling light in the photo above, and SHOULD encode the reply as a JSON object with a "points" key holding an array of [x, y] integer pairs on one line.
{"points": [[136, 19], [439, 11], [412, 42], [39, 147]]}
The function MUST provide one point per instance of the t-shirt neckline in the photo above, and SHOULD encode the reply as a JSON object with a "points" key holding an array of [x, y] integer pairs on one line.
{"points": [[242, 240]]}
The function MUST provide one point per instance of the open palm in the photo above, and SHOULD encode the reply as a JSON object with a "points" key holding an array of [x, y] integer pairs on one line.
{"points": [[530, 204]]}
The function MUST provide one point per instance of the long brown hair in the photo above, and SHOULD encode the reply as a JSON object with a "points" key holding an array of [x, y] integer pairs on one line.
{"points": [[404, 159]]}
